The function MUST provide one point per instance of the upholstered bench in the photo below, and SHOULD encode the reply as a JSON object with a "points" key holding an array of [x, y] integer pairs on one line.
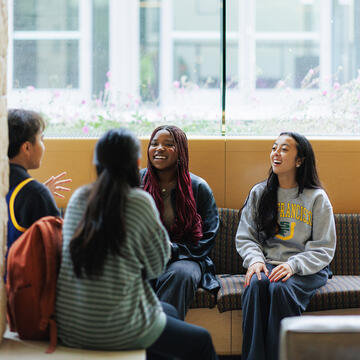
{"points": [[221, 314]]}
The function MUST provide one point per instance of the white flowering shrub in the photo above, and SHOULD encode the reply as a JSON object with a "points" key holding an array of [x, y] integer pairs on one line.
{"points": [[197, 111]]}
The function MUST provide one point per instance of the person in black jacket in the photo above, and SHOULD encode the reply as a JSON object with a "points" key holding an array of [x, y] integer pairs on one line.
{"points": [[188, 210], [28, 200]]}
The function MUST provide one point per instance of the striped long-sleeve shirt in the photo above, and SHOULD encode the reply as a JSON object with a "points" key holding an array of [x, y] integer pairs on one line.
{"points": [[119, 309]]}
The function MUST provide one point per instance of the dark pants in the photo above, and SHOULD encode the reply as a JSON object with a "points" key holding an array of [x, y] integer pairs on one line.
{"points": [[178, 284], [265, 304], [181, 340]]}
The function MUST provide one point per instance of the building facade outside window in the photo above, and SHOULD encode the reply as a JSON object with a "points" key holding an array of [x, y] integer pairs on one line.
{"points": [[89, 65]]}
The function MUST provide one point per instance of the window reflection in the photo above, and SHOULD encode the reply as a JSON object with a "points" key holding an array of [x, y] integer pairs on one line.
{"points": [[46, 64], [143, 63], [46, 15]]}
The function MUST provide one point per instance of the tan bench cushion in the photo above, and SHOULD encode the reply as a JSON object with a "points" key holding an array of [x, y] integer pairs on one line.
{"points": [[14, 348]]}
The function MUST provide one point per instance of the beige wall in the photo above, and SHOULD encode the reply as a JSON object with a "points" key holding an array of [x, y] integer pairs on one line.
{"points": [[247, 161], [4, 168], [230, 165]]}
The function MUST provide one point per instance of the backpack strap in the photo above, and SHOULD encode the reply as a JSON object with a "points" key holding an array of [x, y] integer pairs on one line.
{"points": [[53, 336], [12, 201], [52, 255]]}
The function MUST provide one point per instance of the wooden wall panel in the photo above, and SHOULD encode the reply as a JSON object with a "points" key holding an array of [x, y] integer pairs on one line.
{"points": [[218, 324], [247, 163], [338, 162], [231, 166], [75, 156]]}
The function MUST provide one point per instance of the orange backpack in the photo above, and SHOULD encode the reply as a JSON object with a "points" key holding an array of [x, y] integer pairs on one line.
{"points": [[32, 268]]}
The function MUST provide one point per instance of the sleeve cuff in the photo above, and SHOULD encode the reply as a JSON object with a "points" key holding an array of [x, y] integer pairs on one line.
{"points": [[174, 251], [293, 266], [256, 260]]}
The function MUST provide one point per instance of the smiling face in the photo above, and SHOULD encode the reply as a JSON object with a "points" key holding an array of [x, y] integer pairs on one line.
{"points": [[283, 157], [162, 151]]}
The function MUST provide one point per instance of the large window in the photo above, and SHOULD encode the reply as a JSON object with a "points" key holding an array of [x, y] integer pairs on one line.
{"points": [[45, 49], [89, 65]]}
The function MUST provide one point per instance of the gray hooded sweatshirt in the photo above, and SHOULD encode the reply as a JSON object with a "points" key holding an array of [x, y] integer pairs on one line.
{"points": [[306, 239]]}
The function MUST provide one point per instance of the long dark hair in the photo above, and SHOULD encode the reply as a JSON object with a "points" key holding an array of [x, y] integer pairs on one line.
{"points": [[101, 230], [306, 177], [188, 223]]}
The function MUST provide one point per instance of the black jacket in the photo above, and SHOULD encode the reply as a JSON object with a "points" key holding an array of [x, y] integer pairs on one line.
{"points": [[206, 207], [33, 201]]}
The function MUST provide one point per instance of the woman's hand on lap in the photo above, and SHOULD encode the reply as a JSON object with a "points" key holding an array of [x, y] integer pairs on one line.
{"points": [[282, 271], [256, 268]]}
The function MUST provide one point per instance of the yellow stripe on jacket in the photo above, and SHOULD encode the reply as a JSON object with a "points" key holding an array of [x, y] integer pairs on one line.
{"points": [[12, 201]]}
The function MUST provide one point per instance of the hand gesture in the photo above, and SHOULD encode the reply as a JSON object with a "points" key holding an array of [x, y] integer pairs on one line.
{"points": [[54, 184], [257, 268], [282, 271]]}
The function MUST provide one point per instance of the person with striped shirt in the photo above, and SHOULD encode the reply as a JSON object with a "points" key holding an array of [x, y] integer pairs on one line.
{"points": [[113, 244]]}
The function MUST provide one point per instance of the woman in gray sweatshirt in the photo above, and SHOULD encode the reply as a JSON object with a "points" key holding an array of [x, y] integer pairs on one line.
{"points": [[286, 237]]}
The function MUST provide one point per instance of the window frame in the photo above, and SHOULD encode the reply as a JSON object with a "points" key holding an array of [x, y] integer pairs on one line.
{"points": [[83, 35]]}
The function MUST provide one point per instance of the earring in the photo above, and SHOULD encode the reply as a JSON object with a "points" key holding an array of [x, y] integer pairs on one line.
{"points": [[298, 165]]}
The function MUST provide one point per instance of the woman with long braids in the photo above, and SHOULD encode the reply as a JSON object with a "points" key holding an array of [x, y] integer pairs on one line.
{"points": [[188, 210], [286, 237], [113, 244]]}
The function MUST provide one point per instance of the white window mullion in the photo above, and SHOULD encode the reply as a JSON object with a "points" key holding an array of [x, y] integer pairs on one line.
{"points": [[115, 17], [166, 53], [348, 57], [247, 46], [325, 44], [286, 36], [124, 47], [85, 48], [198, 35], [10, 54], [46, 35]]}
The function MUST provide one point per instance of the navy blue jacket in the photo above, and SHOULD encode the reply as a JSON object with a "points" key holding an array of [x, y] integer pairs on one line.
{"points": [[33, 202]]}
